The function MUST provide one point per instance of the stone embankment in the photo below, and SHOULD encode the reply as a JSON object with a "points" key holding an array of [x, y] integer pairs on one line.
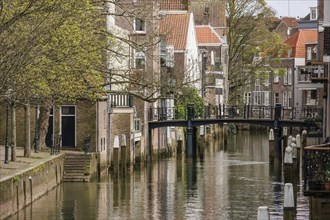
{"points": [[26, 179]]}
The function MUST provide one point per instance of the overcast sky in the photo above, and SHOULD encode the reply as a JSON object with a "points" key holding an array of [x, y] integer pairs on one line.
{"points": [[292, 8]]}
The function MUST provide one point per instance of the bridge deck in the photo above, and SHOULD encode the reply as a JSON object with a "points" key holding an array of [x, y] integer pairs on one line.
{"points": [[257, 115]]}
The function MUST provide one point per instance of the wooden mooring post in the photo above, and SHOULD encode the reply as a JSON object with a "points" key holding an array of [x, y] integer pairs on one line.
{"points": [[263, 213], [271, 147], [288, 204], [191, 131], [116, 157], [288, 165], [123, 155]]}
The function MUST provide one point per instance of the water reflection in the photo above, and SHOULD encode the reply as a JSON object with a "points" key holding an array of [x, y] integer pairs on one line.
{"points": [[229, 182]]}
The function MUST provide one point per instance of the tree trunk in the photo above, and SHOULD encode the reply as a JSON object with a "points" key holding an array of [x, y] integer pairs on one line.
{"points": [[13, 132], [43, 126], [27, 148]]}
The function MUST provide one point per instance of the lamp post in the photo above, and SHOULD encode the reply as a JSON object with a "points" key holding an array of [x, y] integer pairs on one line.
{"points": [[36, 145], [6, 143]]}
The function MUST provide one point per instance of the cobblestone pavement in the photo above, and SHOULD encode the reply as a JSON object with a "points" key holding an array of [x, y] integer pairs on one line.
{"points": [[22, 164]]}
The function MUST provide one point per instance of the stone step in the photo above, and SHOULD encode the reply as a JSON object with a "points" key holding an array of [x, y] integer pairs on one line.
{"points": [[71, 163], [75, 174], [78, 166], [75, 170], [75, 166], [78, 156], [76, 179]]}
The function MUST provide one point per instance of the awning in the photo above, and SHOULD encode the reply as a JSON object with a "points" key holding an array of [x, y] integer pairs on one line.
{"points": [[166, 58]]}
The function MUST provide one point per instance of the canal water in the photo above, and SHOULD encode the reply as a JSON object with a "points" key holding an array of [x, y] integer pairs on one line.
{"points": [[230, 181]]}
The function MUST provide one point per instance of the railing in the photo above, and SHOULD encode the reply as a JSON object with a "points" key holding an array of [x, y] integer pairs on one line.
{"points": [[120, 100], [317, 169], [56, 144], [236, 111]]}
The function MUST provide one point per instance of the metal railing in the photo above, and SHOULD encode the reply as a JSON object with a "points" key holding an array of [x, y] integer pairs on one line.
{"points": [[56, 144], [306, 113]]}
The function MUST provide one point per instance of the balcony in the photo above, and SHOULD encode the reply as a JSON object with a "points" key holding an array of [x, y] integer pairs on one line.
{"points": [[118, 100], [312, 74], [317, 170]]}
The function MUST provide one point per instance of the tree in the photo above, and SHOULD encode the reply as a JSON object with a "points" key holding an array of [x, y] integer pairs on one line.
{"points": [[51, 54], [251, 44], [55, 51], [189, 96]]}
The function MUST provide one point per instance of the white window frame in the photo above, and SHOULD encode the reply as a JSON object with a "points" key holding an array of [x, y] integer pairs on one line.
{"points": [[289, 76], [290, 100], [285, 100], [309, 53], [276, 77], [266, 98], [247, 98], [313, 15], [139, 54], [285, 78]]}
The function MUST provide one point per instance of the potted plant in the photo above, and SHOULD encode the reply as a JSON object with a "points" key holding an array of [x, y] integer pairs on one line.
{"points": [[317, 182], [327, 180]]}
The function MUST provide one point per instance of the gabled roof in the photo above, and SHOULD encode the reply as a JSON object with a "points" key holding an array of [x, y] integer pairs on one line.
{"points": [[291, 22], [207, 35], [298, 40], [173, 5], [174, 27]]}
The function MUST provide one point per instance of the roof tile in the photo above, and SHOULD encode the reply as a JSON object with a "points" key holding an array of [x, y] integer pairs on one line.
{"points": [[175, 29], [206, 34], [173, 5], [298, 40]]}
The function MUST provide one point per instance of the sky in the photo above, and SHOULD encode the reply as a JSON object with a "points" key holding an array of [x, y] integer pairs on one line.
{"points": [[292, 8]]}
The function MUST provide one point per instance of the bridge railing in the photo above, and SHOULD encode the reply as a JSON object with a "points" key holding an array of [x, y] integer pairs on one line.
{"points": [[235, 111]]}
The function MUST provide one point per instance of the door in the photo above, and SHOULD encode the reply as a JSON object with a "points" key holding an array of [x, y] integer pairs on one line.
{"points": [[68, 126]]}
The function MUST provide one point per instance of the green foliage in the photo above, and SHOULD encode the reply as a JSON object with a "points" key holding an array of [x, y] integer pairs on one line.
{"points": [[189, 96], [251, 45], [52, 51]]}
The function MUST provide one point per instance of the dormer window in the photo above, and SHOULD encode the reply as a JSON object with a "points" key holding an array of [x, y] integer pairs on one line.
{"points": [[313, 14], [139, 25]]}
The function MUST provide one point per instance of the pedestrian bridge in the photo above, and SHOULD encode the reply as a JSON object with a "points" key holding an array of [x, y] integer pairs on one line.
{"points": [[272, 116]]}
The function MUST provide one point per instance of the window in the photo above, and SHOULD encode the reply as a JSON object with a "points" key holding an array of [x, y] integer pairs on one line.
{"points": [[313, 15], [257, 98], [266, 98], [309, 53], [68, 110], [137, 125], [139, 25], [139, 59], [276, 98], [313, 94], [285, 78], [285, 99], [290, 103], [289, 76], [247, 98], [276, 76]]}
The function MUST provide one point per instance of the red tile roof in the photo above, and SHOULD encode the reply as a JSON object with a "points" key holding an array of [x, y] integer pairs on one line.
{"points": [[207, 35], [291, 22], [298, 40], [175, 29], [173, 5]]}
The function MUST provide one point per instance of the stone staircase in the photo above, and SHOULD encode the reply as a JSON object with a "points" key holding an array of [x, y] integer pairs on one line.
{"points": [[77, 167]]}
